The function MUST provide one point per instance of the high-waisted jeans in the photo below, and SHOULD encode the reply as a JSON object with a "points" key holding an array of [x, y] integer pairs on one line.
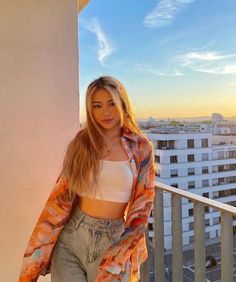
{"points": [[81, 245]]}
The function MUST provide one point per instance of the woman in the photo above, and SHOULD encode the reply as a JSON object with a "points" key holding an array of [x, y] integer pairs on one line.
{"points": [[92, 227]]}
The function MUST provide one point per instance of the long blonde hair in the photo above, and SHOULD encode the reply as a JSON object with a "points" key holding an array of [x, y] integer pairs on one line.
{"points": [[81, 166]]}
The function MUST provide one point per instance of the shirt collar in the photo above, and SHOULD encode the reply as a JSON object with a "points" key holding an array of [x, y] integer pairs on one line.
{"points": [[130, 135]]}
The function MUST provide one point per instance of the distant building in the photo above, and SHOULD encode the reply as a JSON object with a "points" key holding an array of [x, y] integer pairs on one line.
{"points": [[195, 160], [221, 128], [147, 124]]}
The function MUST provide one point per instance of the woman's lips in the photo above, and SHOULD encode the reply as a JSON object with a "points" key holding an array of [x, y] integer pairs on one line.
{"points": [[107, 120]]}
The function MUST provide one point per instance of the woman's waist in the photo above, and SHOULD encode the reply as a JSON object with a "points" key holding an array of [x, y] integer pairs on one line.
{"points": [[101, 208]]}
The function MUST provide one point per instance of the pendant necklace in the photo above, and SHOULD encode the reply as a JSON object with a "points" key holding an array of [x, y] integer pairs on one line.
{"points": [[109, 149]]}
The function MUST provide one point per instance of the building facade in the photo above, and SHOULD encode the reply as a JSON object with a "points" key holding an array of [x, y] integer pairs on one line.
{"points": [[200, 162]]}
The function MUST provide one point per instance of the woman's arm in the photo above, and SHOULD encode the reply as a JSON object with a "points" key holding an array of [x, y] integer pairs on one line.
{"points": [[44, 236], [116, 256]]}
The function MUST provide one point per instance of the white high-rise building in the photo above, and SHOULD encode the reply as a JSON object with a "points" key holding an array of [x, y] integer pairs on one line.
{"points": [[201, 163]]}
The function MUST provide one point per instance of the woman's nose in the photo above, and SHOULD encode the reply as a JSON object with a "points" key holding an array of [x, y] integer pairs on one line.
{"points": [[106, 110]]}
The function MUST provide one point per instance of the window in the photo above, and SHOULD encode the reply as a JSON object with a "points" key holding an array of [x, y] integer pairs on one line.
{"points": [[214, 181], [221, 168], [225, 193], [174, 173], [232, 154], [205, 183], [191, 225], [191, 158], [205, 169], [175, 185], [214, 168], [221, 180], [190, 143], [205, 157], [231, 179], [161, 144], [165, 144], [191, 184], [233, 203], [191, 171], [173, 159], [207, 222], [215, 194], [207, 235], [150, 226], [206, 195], [206, 209], [221, 155], [216, 220], [157, 159], [191, 239], [190, 212], [171, 144], [232, 167], [204, 143]]}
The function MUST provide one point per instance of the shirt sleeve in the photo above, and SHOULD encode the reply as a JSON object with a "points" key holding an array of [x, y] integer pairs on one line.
{"points": [[116, 256], [49, 225]]}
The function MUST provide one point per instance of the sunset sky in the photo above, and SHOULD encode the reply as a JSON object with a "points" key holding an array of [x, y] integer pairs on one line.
{"points": [[177, 58]]}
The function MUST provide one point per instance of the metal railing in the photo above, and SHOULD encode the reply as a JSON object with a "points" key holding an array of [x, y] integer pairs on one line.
{"points": [[227, 213]]}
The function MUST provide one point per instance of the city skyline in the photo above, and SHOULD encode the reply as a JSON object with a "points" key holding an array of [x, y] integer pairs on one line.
{"points": [[176, 58]]}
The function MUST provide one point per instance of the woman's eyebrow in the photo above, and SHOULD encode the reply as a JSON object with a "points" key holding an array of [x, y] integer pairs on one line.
{"points": [[99, 102]]}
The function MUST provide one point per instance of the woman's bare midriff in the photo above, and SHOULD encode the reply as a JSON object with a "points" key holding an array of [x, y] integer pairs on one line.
{"points": [[102, 209]]}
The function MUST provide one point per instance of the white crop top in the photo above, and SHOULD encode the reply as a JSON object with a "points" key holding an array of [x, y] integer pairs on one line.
{"points": [[115, 182]]}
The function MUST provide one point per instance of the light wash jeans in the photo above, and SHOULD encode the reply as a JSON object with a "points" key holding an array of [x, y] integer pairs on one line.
{"points": [[80, 247]]}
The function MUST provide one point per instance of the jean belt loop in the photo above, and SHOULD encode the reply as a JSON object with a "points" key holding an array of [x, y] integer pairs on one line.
{"points": [[79, 220]]}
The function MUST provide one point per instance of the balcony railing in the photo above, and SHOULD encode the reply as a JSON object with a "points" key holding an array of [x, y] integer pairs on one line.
{"points": [[227, 213]]}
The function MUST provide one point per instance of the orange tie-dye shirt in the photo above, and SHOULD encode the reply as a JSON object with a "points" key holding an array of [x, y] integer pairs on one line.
{"points": [[131, 247]]}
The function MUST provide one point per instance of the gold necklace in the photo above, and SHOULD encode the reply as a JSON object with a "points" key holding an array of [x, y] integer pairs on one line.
{"points": [[111, 143]]}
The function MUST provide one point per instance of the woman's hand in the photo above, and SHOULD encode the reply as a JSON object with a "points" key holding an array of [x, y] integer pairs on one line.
{"points": [[106, 276]]}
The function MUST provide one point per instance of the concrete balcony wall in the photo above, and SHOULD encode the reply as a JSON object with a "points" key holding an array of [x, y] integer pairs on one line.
{"points": [[39, 113]]}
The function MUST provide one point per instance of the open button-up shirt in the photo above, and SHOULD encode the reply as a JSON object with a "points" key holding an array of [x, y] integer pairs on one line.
{"points": [[131, 246]]}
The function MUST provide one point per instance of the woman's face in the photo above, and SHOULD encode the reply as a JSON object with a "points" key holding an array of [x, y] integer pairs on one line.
{"points": [[104, 110]]}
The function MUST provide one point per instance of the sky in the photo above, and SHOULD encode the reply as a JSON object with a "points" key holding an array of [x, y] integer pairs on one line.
{"points": [[176, 58]]}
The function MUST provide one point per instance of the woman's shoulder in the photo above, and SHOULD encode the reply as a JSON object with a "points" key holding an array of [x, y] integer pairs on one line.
{"points": [[143, 138], [144, 143]]}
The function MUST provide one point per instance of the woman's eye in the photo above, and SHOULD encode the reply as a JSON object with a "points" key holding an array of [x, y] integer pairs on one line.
{"points": [[112, 104], [96, 106]]}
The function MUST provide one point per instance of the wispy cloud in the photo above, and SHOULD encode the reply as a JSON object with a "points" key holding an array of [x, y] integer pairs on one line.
{"points": [[209, 62], [105, 47], [205, 62], [150, 69], [227, 69], [165, 12], [191, 57]]}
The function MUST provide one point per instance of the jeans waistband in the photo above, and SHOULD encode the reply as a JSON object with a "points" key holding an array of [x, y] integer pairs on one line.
{"points": [[81, 216]]}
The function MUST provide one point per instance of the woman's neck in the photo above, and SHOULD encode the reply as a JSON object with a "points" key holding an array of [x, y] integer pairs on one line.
{"points": [[113, 133]]}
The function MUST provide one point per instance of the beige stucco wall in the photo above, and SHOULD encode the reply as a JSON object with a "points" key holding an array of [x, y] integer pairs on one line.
{"points": [[39, 113]]}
